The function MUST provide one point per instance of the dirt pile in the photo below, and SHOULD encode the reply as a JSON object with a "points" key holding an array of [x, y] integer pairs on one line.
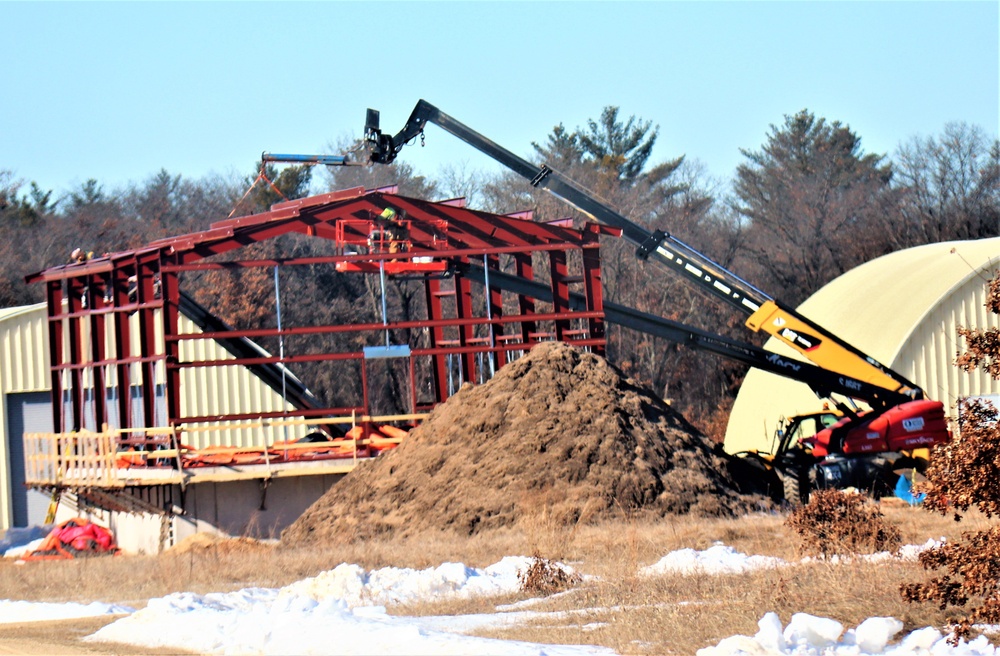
{"points": [[558, 431]]}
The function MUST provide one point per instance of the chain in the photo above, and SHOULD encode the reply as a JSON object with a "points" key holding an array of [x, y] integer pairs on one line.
{"points": [[422, 138]]}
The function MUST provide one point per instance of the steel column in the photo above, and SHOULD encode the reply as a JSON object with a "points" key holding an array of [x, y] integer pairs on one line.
{"points": [[495, 300], [54, 299], [560, 291], [98, 347], [526, 304], [435, 312], [170, 292], [466, 333], [592, 288], [74, 291], [123, 343]]}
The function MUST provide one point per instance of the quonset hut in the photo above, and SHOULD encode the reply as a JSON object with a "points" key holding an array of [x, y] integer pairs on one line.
{"points": [[903, 309]]}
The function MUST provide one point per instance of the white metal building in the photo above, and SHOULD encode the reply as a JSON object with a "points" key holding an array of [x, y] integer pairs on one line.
{"points": [[903, 309], [228, 507]]}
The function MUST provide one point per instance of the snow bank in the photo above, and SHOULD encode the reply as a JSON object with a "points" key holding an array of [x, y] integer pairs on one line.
{"points": [[717, 559], [14, 612], [808, 635], [263, 621], [337, 611], [723, 559], [391, 585]]}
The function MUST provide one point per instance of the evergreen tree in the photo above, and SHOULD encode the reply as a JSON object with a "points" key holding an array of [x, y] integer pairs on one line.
{"points": [[817, 203], [622, 148]]}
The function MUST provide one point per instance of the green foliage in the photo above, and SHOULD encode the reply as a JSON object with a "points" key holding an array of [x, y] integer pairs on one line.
{"points": [[289, 183], [561, 150], [89, 194], [816, 203], [622, 148]]}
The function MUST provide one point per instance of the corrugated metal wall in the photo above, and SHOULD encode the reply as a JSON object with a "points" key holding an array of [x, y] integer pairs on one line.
{"points": [[24, 350], [931, 348], [24, 367], [24, 364]]}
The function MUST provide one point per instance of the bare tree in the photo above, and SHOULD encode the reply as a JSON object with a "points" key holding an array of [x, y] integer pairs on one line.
{"points": [[950, 186]]}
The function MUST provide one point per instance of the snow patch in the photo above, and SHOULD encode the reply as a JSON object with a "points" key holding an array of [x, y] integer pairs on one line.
{"points": [[14, 612], [808, 635]]}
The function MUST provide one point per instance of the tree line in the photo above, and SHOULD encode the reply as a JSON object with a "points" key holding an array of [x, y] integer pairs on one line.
{"points": [[804, 207]]}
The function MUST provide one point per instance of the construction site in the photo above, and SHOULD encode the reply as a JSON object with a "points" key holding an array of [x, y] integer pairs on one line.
{"points": [[167, 421]]}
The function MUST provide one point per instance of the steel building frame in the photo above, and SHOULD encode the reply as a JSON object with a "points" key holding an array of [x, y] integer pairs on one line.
{"points": [[374, 232]]}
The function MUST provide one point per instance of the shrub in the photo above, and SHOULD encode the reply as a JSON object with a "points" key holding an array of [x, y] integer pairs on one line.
{"points": [[963, 474], [545, 577], [837, 522]]}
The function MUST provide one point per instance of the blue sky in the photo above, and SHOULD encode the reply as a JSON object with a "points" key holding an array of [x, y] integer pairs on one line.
{"points": [[117, 91]]}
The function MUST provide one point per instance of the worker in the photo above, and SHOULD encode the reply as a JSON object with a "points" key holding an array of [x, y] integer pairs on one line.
{"points": [[397, 233], [79, 256]]}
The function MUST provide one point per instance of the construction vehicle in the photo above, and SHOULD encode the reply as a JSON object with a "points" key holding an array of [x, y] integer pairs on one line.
{"points": [[859, 449]]}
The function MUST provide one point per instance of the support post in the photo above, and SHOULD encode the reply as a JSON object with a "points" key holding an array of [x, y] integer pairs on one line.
{"points": [[560, 291], [526, 304], [54, 298]]}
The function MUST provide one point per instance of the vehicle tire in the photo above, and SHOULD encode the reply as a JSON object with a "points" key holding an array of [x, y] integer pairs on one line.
{"points": [[753, 475], [795, 484]]}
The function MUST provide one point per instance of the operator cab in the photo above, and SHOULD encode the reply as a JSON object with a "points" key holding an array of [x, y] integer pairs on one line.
{"points": [[792, 432]]}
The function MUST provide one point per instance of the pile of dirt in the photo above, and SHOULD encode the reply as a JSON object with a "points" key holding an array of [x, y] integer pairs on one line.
{"points": [[558, 431], [202, 542]]}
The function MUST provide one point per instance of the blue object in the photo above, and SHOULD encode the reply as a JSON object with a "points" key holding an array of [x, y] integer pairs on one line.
{"points": [[388, 351], [329, 160], [904, 491]]}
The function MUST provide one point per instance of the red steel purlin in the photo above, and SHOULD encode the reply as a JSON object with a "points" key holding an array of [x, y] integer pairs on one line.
{"points": [[429, 241]]}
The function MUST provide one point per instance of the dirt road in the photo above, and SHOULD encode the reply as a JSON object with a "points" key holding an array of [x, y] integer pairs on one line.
{"points": [[65, 637]]}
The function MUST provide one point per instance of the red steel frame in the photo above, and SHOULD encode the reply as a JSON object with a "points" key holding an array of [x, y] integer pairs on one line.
{"points": [[425, 239]]}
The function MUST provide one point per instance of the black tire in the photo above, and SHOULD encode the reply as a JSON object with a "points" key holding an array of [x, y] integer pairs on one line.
{"points": [[753, 475], [795, 484]]}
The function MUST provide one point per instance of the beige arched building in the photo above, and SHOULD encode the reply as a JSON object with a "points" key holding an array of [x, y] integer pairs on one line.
{"points": [[903, 309]]}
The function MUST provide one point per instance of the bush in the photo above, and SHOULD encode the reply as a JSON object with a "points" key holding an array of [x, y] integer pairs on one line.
{"points": [[837, 522], [546, 577], [972, 578], [963, 474]]}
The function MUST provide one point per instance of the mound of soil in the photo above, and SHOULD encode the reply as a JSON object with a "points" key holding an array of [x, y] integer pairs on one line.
{"points": [[559, 431], [200, 542]]}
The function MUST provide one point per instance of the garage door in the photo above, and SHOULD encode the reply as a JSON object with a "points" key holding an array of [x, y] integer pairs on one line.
{"points": [[26, 413]]}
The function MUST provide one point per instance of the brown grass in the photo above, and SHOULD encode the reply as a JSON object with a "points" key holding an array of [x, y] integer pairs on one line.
{"points": [[657, 615]]}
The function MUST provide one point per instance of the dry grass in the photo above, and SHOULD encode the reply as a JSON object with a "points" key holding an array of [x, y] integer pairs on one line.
{"points": [[631, 614]]}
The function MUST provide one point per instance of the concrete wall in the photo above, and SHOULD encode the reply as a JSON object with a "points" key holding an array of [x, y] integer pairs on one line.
{"points": [[228, 509]]}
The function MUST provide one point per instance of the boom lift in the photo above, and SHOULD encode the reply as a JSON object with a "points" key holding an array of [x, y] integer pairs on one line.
{"points": [[856, 451]]}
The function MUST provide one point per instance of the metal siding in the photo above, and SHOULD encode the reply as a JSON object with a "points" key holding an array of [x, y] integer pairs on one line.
{"points": [[24, 359], [233, 389], [205, 391], [23, 368]]}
